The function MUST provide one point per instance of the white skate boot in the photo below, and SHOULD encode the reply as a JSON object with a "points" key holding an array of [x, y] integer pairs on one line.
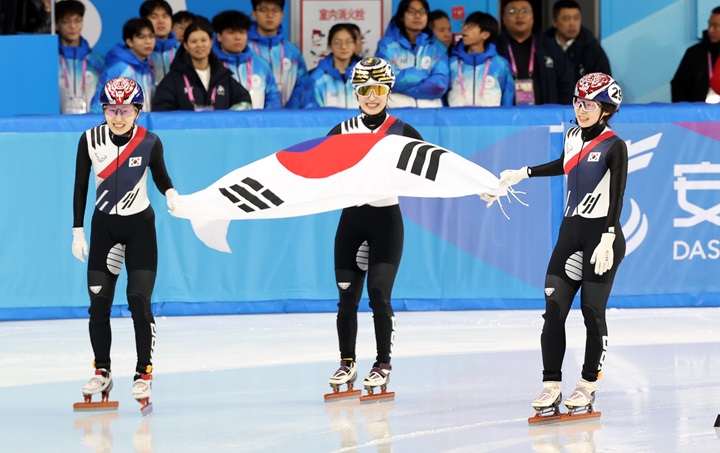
{"points": [[141, 390], [547, 404], [379, 377], [582, 398], [346, 374], [102, 383]]}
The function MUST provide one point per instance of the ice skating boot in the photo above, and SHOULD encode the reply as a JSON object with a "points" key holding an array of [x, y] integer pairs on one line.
{"points": [[547, 404], [141, 390], [379, 377], [345, 375], [102, 383], [580, 402]]}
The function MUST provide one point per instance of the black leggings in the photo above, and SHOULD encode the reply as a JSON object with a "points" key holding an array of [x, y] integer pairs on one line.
{"points": [[568, 271], [114, 239], [382, 228]]}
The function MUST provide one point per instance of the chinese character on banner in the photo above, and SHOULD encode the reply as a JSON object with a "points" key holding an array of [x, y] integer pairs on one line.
{"points": [[318, 16]]}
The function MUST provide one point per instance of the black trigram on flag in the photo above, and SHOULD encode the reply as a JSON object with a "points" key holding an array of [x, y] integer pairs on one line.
{"points": [[250, 196], [421, 155]]}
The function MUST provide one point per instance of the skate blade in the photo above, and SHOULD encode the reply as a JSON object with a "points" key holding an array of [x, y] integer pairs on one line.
{"points": [[339, 396], [572, 417], [382, 396], [539, 419], [146, 407], [96, 406]]}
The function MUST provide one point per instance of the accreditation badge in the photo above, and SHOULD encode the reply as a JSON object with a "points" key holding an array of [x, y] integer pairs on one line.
{"points": [[524, 92]]}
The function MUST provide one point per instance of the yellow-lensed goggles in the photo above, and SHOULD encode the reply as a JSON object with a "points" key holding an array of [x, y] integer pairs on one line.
{"points": [[379, 90]]}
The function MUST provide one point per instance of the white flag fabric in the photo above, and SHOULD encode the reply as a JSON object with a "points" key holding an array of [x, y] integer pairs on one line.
{"points": [[330, 173]]}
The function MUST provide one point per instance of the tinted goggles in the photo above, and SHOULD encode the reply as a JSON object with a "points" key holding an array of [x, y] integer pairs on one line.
{"points": [[379, 90]]}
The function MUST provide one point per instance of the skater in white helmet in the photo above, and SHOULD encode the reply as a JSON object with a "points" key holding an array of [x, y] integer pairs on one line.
{"points": [[590, 243], [369, 238], [120, 153]]}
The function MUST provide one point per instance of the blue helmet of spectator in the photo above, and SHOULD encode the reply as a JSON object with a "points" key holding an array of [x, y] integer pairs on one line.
{"points": [[122, 90], [373, 71], [600, 87]]}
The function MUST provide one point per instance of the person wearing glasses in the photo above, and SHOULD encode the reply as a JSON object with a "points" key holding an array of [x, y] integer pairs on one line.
{"points": [[542, 71], [267, 38], [131, 59], [330, 83], [420, 59], [80, 67], [120, 153], [369, 238], [590, 244]]}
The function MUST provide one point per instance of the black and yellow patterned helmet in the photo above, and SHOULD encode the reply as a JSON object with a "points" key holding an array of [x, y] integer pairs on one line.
{"points": [[373, 71]]}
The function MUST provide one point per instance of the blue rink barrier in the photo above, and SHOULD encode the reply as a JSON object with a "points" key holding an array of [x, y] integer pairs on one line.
{"points": [[458, 255]]}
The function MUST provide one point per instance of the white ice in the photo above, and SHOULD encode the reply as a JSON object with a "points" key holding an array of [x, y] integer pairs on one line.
{"points": [[463, 381]]}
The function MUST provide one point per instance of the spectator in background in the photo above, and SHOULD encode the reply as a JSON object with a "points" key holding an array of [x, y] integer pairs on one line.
{"points": [[251, 71], [692, 78], [478, 75], [419, 58], [580, 46], [439, 23], [180, 21], [160, 13], [359, 38], [715, 84], [331, 81], [198, 80], [80, 68], [541, 70], [267, 39], [130, 59]]}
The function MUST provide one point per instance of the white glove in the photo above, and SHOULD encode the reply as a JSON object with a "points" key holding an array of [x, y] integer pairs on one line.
{"points": [[603, 256], [512, 177], [173, 198], [79, 245], [488, 198]]}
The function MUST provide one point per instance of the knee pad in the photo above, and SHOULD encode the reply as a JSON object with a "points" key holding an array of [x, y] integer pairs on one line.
{"points": [[558, 300], [380, 303], [594, 324], [348, 304], [101, 289], [139, 293]]}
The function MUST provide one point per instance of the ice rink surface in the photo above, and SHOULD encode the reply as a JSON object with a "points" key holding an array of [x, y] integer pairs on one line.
{"points": [[463, 381]]}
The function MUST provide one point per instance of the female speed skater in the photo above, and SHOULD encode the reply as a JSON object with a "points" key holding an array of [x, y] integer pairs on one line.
{"points": [[369, 238], [590, 243], [123, 228]]}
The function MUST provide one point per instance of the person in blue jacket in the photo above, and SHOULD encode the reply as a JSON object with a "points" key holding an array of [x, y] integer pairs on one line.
{"points": [[159, 12], [268, 39], [79, 68], [419, 58], [198, 80], [478, 75], [331, 82], [130, 59], [251, 71]]}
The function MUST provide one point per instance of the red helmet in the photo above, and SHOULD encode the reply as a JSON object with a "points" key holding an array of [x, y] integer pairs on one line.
{"points": [[598, 86], [122, 90]]}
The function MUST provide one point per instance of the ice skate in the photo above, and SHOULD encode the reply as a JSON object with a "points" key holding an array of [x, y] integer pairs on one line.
{"points": [[346, 374], [547, 404], [102, 383], [379, 377], [580, 402], [141, 390]]}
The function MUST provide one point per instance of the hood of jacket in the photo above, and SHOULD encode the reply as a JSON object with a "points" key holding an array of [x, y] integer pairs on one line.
{"points": [[232, 59], [76, 52], [183, 64], [460, 51], [327, 64], [122, 53], [163, 45], [422, 39], [272, 41]]}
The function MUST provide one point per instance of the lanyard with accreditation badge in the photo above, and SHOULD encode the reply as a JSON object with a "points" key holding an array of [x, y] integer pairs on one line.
{"points": [[74, 102], [524, 93]]}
